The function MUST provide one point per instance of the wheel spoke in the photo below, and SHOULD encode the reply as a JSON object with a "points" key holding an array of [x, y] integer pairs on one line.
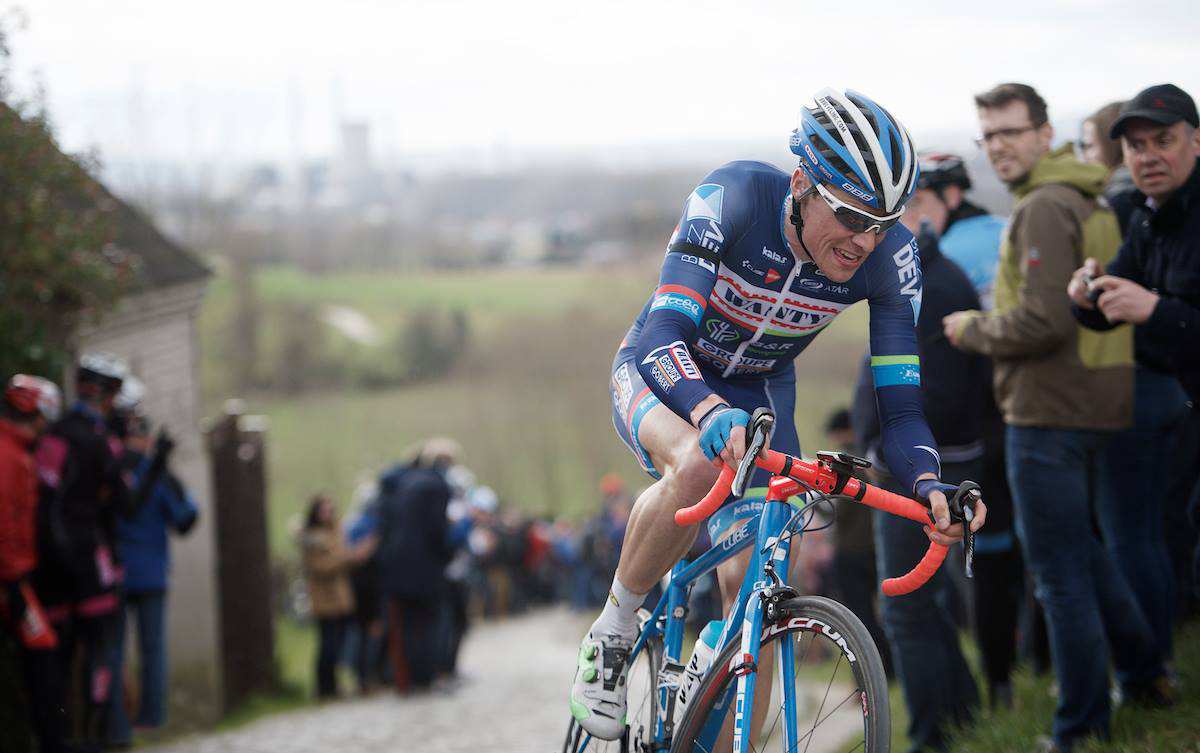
{"points": [[821, 719]]}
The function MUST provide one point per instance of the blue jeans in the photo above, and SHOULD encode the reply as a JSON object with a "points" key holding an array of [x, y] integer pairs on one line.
{"points": [[1055, 476], [150, 611], [938, 687], [1133, 519]]}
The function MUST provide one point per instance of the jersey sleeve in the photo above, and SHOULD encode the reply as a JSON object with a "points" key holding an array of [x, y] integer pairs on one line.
{"points": [[906, 443], [710, 222]]}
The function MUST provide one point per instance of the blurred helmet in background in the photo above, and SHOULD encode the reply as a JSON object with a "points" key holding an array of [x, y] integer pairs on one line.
{"points": [[101, 372], [30, 396], [940, 170]]}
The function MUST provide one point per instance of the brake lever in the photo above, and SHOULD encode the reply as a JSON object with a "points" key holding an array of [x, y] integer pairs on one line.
{"points": [[760, 428], [962, 509]]}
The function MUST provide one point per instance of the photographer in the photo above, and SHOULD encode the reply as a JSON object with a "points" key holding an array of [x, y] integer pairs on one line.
{"points": [[142, 538], [1153, 285]]}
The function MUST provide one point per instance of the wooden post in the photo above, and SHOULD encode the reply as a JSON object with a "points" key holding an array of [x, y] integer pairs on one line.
{"points": [[237, 446]]}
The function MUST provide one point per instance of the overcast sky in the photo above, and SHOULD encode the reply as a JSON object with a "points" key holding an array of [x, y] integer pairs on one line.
{"points": [[237, 80]]}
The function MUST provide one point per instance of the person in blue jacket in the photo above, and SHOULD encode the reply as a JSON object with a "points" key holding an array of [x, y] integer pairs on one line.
{"points": [[146, 556]]}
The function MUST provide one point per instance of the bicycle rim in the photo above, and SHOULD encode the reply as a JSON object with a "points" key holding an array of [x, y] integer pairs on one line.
{"points": [[641, 680], [840, 689]]}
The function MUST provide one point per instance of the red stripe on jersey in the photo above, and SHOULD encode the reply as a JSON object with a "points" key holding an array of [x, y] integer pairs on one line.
{"points": [[683, 291]]}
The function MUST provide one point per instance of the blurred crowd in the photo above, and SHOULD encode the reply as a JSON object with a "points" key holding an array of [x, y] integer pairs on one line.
{"points": [[424, 551], [87, 499]]}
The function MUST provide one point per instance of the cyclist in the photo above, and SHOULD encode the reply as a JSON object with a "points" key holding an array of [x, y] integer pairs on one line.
{"points": [[760, 262], [966, 232]]}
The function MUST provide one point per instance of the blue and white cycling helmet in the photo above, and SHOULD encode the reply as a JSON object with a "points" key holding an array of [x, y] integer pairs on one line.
{"points": [[850, 142]]}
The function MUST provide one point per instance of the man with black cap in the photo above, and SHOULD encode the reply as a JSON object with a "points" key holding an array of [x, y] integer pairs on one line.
{"points": [[1153, 283], [1155, 279]]}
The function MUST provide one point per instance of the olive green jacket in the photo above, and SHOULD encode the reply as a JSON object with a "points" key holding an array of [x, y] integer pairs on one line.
{"points": [[1049, 371]]}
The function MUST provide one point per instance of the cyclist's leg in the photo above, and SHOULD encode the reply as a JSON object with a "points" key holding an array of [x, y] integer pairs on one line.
{"points": [[667, 448]]}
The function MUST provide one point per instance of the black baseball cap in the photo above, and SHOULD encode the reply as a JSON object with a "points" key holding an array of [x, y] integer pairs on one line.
{"points": [[1164, 103]]}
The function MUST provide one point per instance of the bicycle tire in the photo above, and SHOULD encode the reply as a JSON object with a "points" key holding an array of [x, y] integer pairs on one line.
{"points": [[814, 617], [641, 684]]}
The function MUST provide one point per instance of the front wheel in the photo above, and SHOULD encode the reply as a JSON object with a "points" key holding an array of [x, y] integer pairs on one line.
{"points": [[840, 690]]}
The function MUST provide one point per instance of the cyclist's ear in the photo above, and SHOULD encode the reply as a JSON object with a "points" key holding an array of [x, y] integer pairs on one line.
{"points": [[800, 182]]}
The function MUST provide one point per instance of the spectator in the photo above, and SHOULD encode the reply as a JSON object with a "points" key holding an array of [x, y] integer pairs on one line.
{"points": [[939, 690], [970, 238], [854, 576], [966, 233], [1098, 147], [78, 573], [414, 550], [1152, 284], [144, 552], [367, 628], [1062, 393], [29, 404], [327, 565], [483, 545], [454, 613]]}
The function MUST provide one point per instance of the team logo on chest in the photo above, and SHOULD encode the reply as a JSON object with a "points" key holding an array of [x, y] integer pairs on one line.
{"points": [[783, 312]]}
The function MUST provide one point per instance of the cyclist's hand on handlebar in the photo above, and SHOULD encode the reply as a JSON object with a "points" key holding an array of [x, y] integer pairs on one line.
{"points": [[723, 434], [947, 531]]}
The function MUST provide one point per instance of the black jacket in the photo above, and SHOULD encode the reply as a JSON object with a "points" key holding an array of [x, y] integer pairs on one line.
{"points": [[83, 492], [414, 545], [955, 385], [1162, 253]]}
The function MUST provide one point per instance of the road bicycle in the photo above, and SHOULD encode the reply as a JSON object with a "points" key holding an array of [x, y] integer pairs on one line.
{"points": [[821, 669]]}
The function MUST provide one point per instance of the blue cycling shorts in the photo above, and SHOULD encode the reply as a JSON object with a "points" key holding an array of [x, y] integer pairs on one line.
{"points": [[632, 400]]}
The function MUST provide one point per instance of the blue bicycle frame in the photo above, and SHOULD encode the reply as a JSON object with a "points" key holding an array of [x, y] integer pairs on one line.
{"points": [[764, 531]]}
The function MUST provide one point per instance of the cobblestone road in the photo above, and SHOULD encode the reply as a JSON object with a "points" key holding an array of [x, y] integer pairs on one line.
{"points": [[515, 699]]}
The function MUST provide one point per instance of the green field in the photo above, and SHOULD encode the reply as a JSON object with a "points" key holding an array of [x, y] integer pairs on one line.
{"points": [[528, 398]]}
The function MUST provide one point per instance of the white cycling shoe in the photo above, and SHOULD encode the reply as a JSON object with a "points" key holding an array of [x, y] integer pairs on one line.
{"points": [[598, 696]]}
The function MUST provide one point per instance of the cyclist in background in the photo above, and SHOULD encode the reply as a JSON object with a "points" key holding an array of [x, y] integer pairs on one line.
{"points": [[966, 233], [760, 262], [970, 237]]}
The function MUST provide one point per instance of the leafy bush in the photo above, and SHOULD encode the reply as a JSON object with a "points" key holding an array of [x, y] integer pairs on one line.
{"points": [[57, 259]]}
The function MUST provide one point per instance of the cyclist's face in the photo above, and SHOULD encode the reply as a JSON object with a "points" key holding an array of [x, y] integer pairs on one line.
{"points": [[837, 251]]}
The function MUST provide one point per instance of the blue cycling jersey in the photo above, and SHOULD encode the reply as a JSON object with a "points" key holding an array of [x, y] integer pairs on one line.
{"points": [[733, 306]]}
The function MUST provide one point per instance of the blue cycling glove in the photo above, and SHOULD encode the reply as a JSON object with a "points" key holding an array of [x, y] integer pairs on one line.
{"points": [[927, 485], [716, 426]]}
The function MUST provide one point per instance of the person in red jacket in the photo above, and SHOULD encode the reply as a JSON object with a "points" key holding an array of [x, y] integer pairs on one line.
{"points": [[30, 403]]}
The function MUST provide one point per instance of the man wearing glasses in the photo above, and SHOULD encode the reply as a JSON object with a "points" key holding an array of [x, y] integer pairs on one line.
{"points": [[760, 262], [1063, 390]]}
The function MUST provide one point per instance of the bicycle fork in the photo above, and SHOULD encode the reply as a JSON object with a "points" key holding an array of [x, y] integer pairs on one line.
{"points": [[762, 587]]}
